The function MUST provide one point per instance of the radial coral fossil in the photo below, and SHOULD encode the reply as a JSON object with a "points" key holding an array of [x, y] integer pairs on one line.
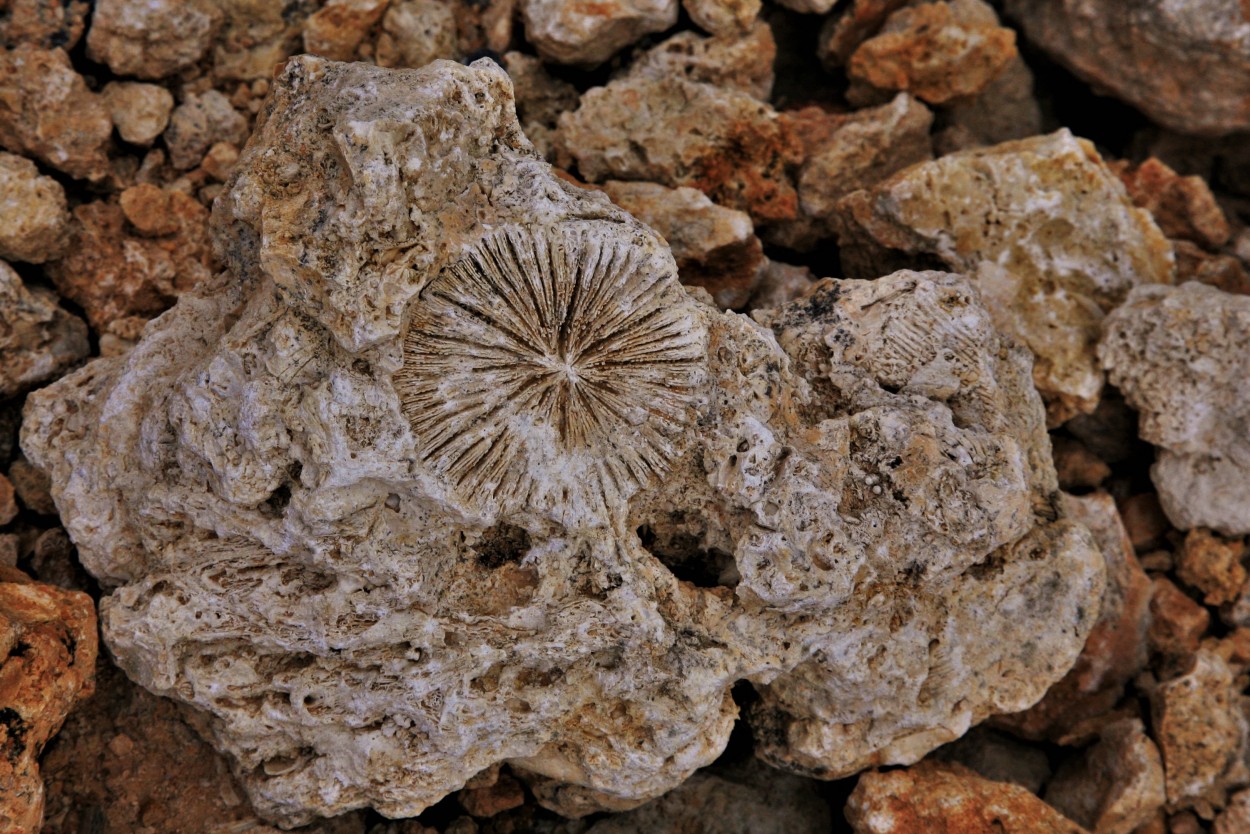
{"points": [[446, 469]]}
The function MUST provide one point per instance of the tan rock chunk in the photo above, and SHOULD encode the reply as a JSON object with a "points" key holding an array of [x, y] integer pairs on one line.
{"points": [[416, 32], [200, 122], [1177, 622], [256, 36], [503, 794], [1077, 466], [1116, 649], [725, 143], [34, 217], [47, 24], [38, 340], [1045, 228], [1235, 819], [723, 17], [8, 502], [220, 160], [928, 51], [152, 39], [139, 111], [1227, 273], [588, 34], [1184, 207], [715, 247], [1200, 725], [32, 486], [1186, 65], [740, 60], [46, 111], [1181, 355], [845, 29], [780, 284], [336, 29], [1115, 785], [540, 99], [1212, 565], [113, 275], [47, 664], [933, 797]]}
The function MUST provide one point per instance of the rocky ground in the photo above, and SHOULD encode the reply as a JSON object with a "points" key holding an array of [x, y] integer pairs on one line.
{"points": [[1086, 163]]}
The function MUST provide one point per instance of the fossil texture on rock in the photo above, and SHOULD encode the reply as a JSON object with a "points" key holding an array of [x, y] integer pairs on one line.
{"points": [[446, 469]]}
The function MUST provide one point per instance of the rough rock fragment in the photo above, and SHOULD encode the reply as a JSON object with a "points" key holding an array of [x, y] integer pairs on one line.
{"points": [[47, 24], [38, 339], [945, 799], [935, 53], [152, 39], [780, 284], [446, 469], [1115, 785], [1077, 466], [1181, 355], [415, 32], [588, 34], [200, 122], [1184, 207], [1046, 230], [1177, 623], [715, 247], [34, 217], [47, 663], [742, 61], [540, 99], [1005, 110], [46, 111], [139, 111], [844, 30], [255, 36], [1224, 272], [1199, 722], [1212, 565], [8, 505], [1185, 65], [723, 17], [1234, 819], [723, 142], [999, 758], [336, 29]]}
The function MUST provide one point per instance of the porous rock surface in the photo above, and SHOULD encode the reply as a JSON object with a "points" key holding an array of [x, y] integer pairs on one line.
{"points": [[1180, 356], [447, 469]]}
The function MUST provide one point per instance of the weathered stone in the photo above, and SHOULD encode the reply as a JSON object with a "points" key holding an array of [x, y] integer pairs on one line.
{"points": [[47, 24], [114, 275], [152, 39], [540, 99], [1004, 111], [1185, 65], [255, 36], [1184, 207], [200, 122], [34, 217], [1212, 565], [1044, 227], [1235, 819], [780, 284], [415, 32], [723, 17], [1228, 273], [999, 757], [715, 247], [723, 142], [336, 29], [1181, 355], [32, 486], [933, 797], [38, 339], [502, 794], [1177, 623], [46, 111], [588, 34], [1199, 722], [139, 111], [1115, 785], [446, 469], [220, 160], [8, 504], [1077, 466], [935, 52], [741, 61], [846, 29], [47, 663]]}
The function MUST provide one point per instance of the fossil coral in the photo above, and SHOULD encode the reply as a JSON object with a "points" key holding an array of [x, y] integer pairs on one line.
{"points": [[447, 469]]}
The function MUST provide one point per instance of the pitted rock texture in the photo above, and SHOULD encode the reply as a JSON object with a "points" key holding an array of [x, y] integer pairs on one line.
{"points": [[1180, 356], [1045, 228], [446, 469], [1185, 65]]}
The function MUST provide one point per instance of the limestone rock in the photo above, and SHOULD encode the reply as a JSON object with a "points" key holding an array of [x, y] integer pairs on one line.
{"points": [[140, 111], [723, 17], [933, 797], [1180, 355], [46, 111], [38, 339], [588, 34], [152, 39], [780, 284], [540, 99], [740, 60], [1185, 65], [1005, 110], [337, 28], [1114, 786], [715, 248], [1234, 819], [200, 122], [415, 32], [1046, 230], [47, 24], [1212, 565], [255, 36], [446, 469], [1200, 724], [1177, 623], [723, 142], [845, 29], [47, 663], [34, 217]]}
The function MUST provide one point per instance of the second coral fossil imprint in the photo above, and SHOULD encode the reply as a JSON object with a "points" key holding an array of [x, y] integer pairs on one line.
{"points": [[547, 367]]}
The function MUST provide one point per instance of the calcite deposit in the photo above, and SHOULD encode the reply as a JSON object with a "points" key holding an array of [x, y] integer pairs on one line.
{"points": [[446, 469], [1043, 226], [1180, 356]]}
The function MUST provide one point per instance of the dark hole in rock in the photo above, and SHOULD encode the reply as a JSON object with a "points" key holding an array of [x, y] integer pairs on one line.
{"points": [[502, 544], [683, 554]]}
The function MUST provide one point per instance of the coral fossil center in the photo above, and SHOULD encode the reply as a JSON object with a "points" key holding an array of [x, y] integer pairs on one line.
{"points": [[550, 364]]}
